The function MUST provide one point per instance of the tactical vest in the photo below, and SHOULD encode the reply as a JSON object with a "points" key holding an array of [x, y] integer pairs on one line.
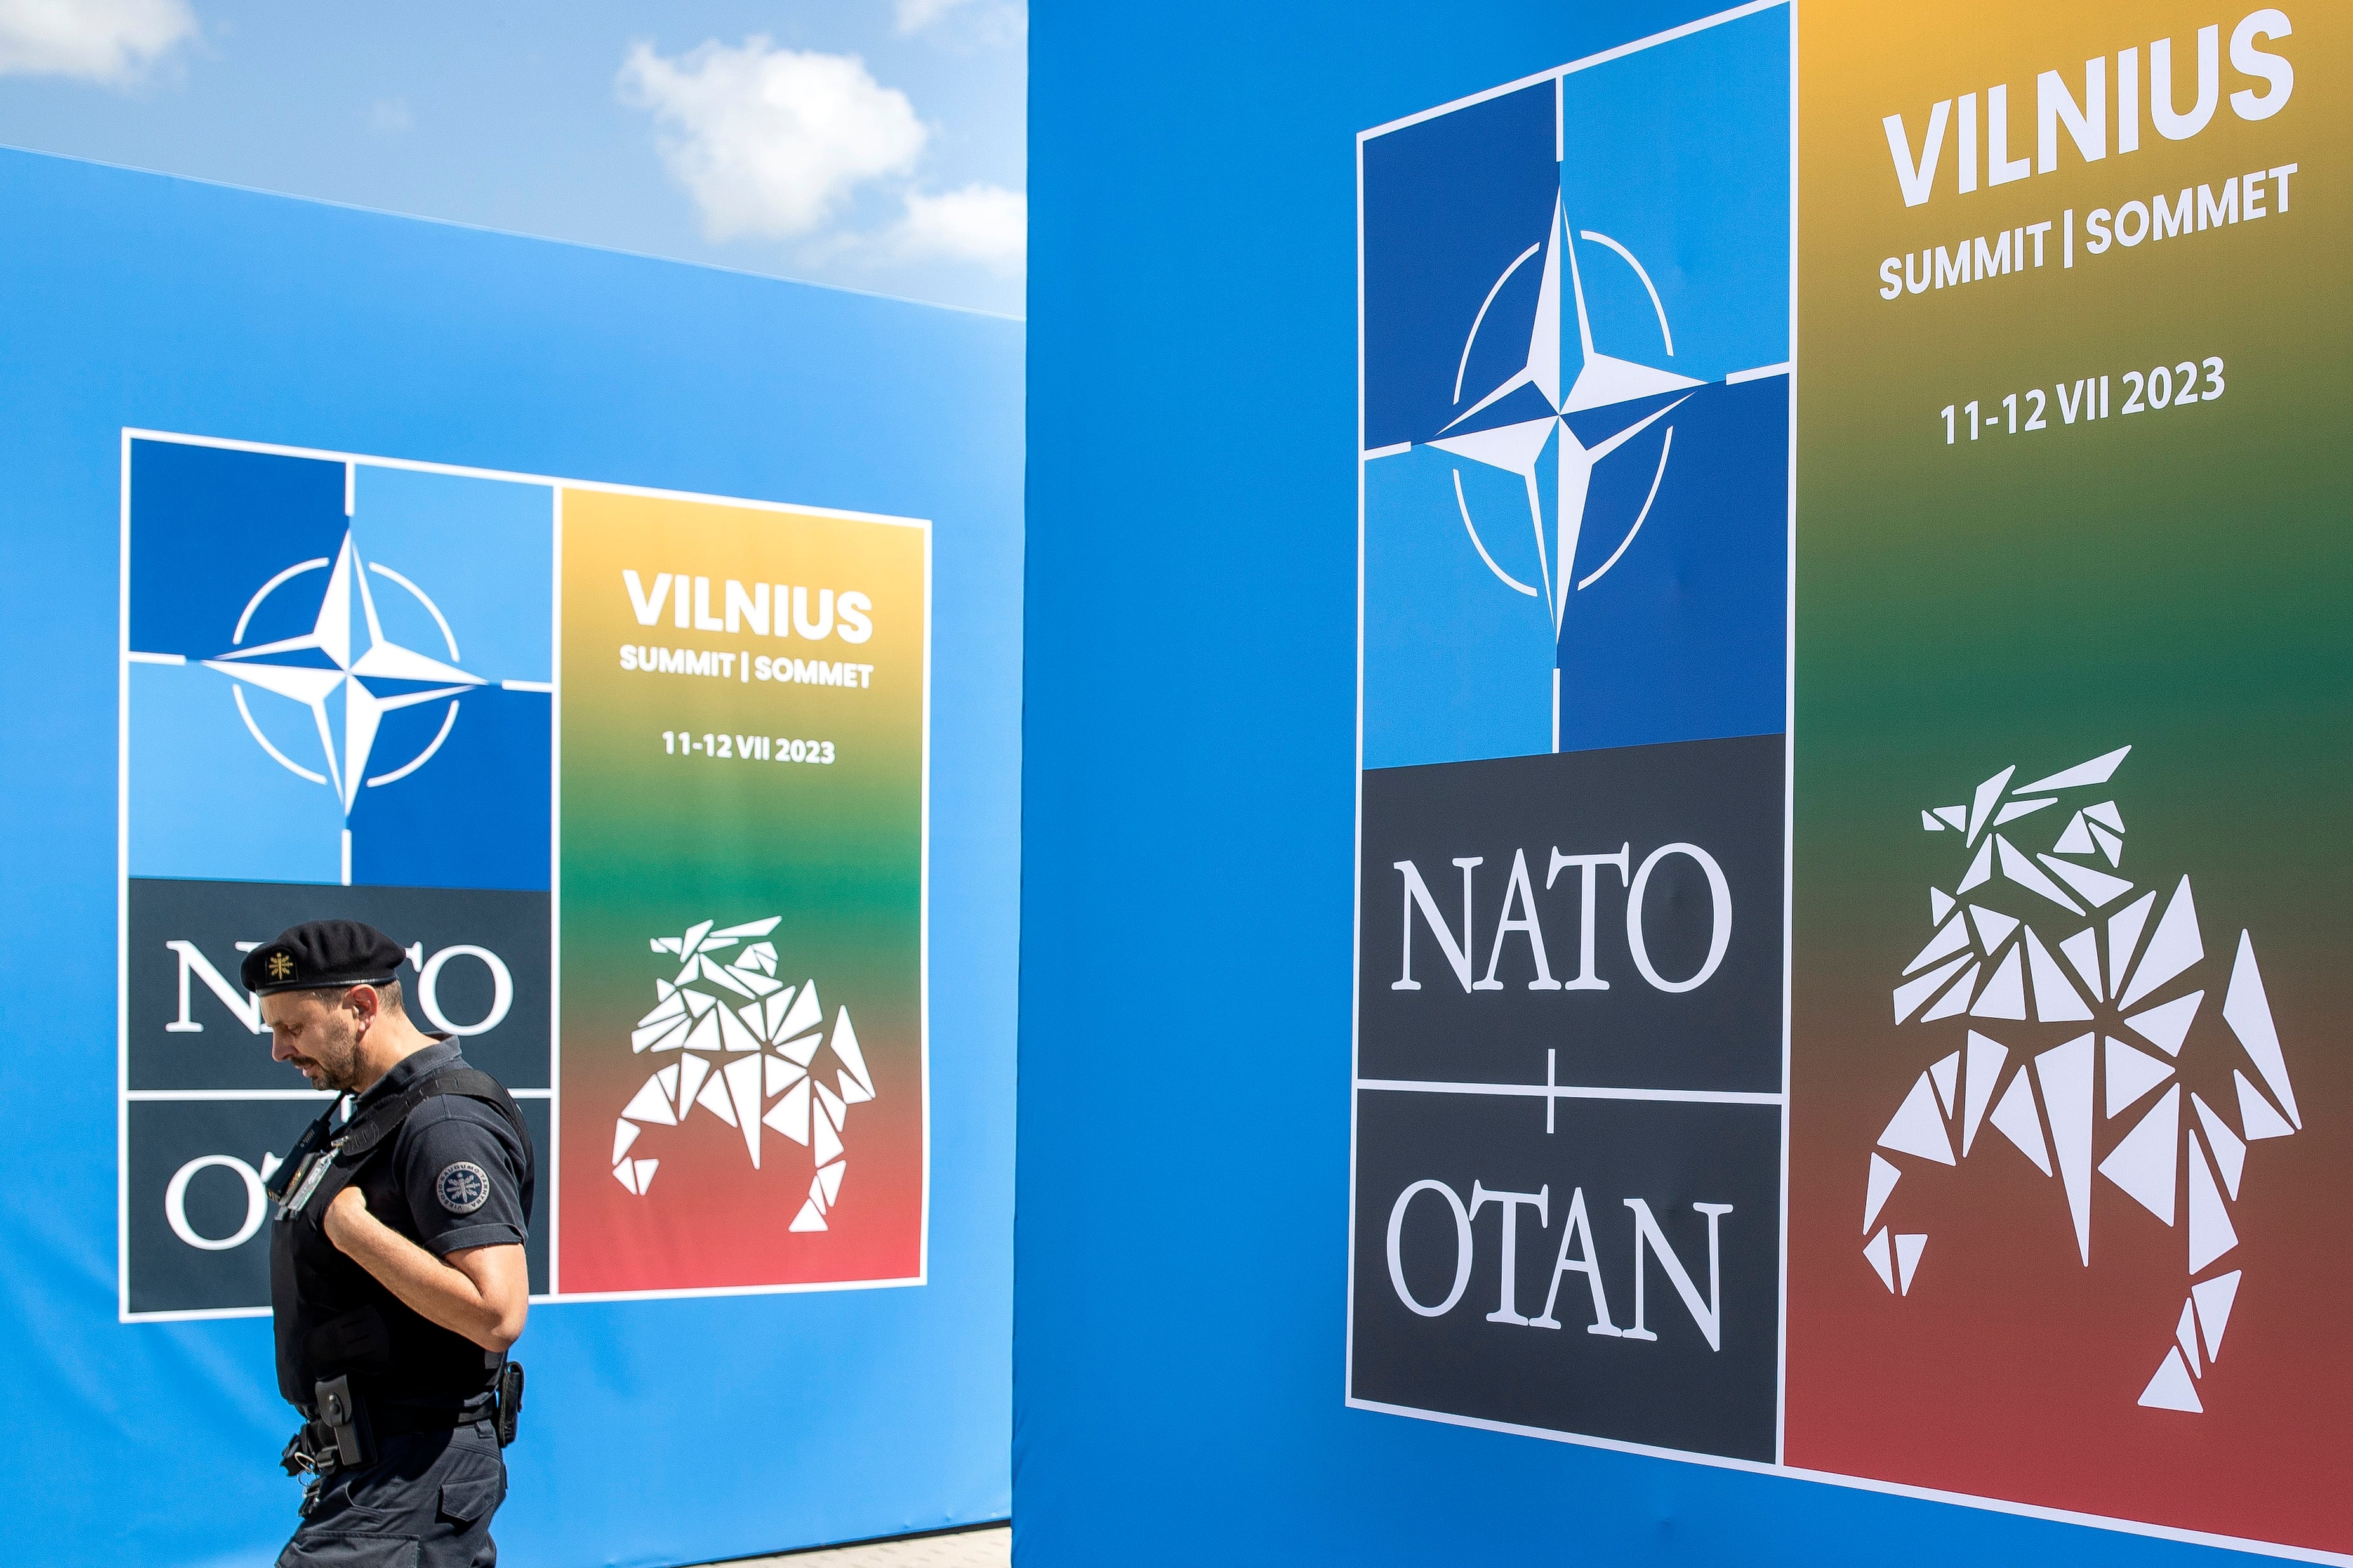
{"points": [[332, 1316]]}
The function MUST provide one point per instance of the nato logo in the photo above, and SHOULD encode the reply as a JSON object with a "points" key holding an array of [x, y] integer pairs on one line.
{"points": [[337, 672], [1576, 316]]}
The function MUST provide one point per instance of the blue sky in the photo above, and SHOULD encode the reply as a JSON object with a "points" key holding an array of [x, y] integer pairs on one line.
{"points": [[876, 145]]}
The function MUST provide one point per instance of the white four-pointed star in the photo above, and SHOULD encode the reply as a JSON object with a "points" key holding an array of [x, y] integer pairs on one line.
{"points": [[1602, 381], [272, 667]]}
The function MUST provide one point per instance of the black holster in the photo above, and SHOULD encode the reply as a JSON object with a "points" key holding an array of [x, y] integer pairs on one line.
{"points": [[338, 1439], [510, 1405]]}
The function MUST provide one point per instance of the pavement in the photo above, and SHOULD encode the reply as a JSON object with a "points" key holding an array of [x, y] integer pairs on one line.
{"points": [[989, 1548]]}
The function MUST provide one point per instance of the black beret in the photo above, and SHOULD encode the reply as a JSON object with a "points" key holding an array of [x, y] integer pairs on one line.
{"points": [[321, 955]]}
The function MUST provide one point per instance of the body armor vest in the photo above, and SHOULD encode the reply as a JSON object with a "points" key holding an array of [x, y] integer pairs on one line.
{"points": [[332, 1316]]}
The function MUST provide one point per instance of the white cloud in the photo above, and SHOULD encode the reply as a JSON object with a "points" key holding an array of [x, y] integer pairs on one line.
{"points": [[981, 223], [389, 116], [770, 141], [914, 16], [109, 41], [989, 21]]}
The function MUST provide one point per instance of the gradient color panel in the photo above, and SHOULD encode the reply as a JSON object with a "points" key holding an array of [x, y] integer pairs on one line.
{"points": [[654, 842], [2175, 581]]}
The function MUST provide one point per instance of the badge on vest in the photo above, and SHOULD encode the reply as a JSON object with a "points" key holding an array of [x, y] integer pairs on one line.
{"points": [[462, 1187], [314, 1171]]}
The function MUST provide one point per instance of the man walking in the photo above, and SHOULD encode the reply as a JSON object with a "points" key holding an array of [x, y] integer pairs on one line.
{"points": [[396, 1272]]}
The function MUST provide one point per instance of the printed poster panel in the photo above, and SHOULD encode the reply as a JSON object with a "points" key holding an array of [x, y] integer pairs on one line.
{"points": [[2071, 1119], [743, 722], [341, 686], [1571, 808]]}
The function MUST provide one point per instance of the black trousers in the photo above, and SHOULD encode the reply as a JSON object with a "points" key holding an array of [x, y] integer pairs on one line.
{"points": [[425, 1502]]}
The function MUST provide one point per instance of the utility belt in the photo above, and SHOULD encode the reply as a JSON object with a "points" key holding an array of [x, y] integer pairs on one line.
{"points": [[342, 1429]]}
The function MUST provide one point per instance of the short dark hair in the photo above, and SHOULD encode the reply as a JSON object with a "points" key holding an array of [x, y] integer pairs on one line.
{"points": [[389, 994]]}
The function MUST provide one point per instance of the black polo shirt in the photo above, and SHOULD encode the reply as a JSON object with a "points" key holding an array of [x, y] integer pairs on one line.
{"points": [[457, 1159]]}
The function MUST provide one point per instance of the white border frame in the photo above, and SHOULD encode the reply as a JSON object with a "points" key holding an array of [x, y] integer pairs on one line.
{"points": [[125, 1094], [1788, 801]]}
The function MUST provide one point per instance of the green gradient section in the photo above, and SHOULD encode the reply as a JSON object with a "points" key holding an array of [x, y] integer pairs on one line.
{"points": [[2175, 579]]}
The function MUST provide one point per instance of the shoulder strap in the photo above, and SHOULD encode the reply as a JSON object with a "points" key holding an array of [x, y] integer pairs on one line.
{"points": [[380, 1122], [372, 1129]]}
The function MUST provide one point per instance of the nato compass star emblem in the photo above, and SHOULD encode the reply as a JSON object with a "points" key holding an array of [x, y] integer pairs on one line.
{"points": [[1563, 413], [347, 672]]}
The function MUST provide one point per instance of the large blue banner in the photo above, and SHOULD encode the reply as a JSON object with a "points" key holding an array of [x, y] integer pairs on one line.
{"points": [[1414, 392], [283, 542]]}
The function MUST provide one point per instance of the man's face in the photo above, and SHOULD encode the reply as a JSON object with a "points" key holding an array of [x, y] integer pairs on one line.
{"points": [[319, 1032]]}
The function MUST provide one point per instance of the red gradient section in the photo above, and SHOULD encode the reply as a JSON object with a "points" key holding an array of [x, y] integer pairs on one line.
{"points": [[711, 1222], [2011, 1370]]}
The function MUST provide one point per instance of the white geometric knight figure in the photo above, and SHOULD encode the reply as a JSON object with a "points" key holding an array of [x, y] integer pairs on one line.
{"points": [[2061, 995], [746, 1044], [348, 675]]}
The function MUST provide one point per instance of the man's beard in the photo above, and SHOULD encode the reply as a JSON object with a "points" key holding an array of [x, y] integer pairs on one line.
{"points": [[338, 1061]]}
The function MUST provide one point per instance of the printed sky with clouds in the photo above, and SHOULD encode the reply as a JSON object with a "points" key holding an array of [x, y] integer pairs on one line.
{"points": [[877, 145]]}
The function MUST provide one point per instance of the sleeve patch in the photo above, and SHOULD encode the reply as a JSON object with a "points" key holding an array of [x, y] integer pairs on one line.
{"points": [[462, 1186]]}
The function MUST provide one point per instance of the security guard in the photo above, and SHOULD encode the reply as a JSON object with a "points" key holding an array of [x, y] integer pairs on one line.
{"points": [[396, 1274]]}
